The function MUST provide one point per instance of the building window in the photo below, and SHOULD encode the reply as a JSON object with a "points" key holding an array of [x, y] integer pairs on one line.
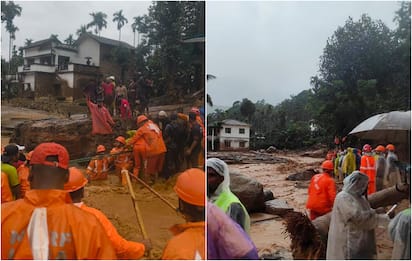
{"points": [[242, 144], [241, 131], [228, 130], [227, 143]]}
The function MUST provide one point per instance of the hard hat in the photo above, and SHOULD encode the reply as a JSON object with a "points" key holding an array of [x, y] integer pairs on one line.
{"points": [[190, 187], [111, 78], [44, 150], [390, 147], [327, 165], [162, 114], [28, 156], [367, 148], [141, 118], [121, 139], [195, 110], [380, 148], [76, 180], [100, 148]]}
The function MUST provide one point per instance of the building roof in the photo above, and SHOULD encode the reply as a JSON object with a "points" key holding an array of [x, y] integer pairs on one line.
{"points": [[104, 40], [38, 43], [234, 122]]}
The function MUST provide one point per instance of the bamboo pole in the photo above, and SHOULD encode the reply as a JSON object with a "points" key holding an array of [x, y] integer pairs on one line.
{"points": [[136, 209], [154, 192]]}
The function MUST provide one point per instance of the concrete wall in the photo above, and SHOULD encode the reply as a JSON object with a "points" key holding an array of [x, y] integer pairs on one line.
{"points": [[88, 47]]}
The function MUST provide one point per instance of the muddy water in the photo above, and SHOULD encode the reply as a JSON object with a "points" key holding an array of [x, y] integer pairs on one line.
{"points": [[269, 236], [114, 201]]}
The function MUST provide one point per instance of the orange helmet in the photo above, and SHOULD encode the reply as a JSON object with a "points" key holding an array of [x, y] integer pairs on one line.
{"points": [[121, 139], [141, 118], [28, 156], [327, 165], [190, 187], [390, 147], [380, 148], [367, 148], [76, 180], [100, 148]]}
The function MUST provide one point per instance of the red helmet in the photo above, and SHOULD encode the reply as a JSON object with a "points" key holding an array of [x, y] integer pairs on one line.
{"points": [[327, 165], [100, 148], [141, 118], [390, 147], [380, 148], [121, 139], [367, 148]]}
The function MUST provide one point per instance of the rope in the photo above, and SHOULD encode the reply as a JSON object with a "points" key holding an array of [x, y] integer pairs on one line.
{"points": [[87, 159]]}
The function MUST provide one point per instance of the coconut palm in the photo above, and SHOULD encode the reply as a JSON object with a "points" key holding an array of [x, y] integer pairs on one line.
{"points": [[82, 30], [121, 21], [28, 42], [99, 22], [8, 12], [12, 29], [69, 40], [135, 27]]}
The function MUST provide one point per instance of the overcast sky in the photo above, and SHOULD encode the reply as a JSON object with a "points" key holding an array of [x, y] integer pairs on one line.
{"points": [[40, 19], [269, 50]]}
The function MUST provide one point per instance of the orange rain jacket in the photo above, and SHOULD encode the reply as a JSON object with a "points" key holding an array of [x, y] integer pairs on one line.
{"points": [[188, 242], [73, 233], [124, 249], [149, 139], [367, 167], [98, 168], [23, 172], [321, 195], [122, 160], [6, 194]]}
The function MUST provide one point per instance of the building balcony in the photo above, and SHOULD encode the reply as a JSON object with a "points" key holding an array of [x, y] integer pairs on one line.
{"points": [[37, 68]]}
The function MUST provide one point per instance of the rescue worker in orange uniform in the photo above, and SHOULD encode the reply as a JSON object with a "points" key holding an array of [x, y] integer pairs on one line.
{"points": [[124, 249], [189, 238], [321, 192], [121, 158], [201, 159], [98, 165], [368, 167], [148, 148], [6, 194], [45, 225], [23, 172]]}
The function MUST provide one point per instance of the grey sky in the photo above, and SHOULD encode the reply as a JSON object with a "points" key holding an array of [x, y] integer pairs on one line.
{"points": [[269, 50], [40, 19]]}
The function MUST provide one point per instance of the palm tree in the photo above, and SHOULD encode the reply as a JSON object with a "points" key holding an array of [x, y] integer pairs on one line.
{"points": [[69, 40], [8, 12], [121, 21], [135, 27], [99, 22], [208, 98], [54, 37], [82, 30], [28, 42], [12, 29]]}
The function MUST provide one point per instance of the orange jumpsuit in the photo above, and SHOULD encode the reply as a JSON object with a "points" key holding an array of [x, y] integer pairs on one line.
{"points": [[124, 249], [147, 143], [188, 242], [121, 161], [23, 172], [321, 195], [73, 233], [368, 167], [98, 168], [6, 194], [201, 160]]}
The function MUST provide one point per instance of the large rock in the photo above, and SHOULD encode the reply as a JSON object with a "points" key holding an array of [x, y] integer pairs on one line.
{"points": [[304, 175], [249, 191], [74, 134]]}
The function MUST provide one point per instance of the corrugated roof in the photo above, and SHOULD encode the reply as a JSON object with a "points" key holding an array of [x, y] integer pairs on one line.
{"points": [[234, 122], [107, 41], [38, 43]]}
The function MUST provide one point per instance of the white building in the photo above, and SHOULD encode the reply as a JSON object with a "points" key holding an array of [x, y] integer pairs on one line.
{"points": [[57, 69], [229, 135]]}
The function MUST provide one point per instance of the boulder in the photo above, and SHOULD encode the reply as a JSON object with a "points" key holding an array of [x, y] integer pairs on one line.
{"points": [[277, 207], [249, 191], [304, 175], [268, 194], [74, 134]]}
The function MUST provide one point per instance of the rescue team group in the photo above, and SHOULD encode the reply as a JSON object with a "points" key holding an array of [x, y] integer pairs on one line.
{"points": [[51, 222]]}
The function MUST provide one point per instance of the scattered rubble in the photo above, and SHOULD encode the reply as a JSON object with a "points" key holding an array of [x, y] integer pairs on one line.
{"points": [[250, 157]]}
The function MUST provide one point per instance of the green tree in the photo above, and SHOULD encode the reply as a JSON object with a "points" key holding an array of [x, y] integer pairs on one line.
{"points": [[82, 30], [121, 55], [99, 22], [9, 10], [137, 23], [121, 21], [247, 108], [28, 42], [54, 37], [69, 40]]}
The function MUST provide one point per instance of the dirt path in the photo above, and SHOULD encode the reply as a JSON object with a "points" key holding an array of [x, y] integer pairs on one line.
{"points": [[269, 236]]}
